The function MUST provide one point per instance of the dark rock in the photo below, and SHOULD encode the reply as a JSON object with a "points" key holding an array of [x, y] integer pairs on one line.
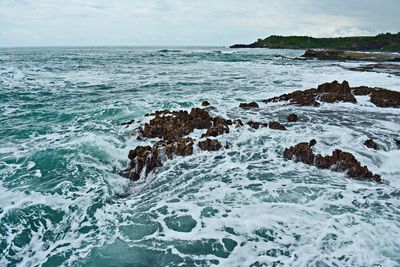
{"points": [[341, 55], [292, 118], [205, 103], [362, 90], [301, 152], [249, 105], [210, 145], [339, 161], [171, 125], [238, 123], [127, 123], [254, 125], [144, 159], [397, 141], [371, 144], [386, 98], [220, 126], [327, 92], [276, 126]]}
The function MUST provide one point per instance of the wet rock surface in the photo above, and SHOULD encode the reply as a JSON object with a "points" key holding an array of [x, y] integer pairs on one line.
{"points": [[339, 161], [371, 144], [386, 98], [339, 92], [210, 145], [276, 126], [249, 105], [292, 117], [172, 127]]}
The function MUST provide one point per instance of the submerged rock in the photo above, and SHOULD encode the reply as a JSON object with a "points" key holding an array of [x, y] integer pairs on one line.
{"points": [[276, 126], [249, 105], [292, 118], [205, 103], [339, 161], [210, 145], [371, 144], [126, 124]]}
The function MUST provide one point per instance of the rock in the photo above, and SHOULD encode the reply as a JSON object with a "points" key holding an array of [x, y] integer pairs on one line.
{"points": [[397, 141], [386, 98], [238, 123], [301, 152], [144, 159], [327, 92], [276, 126], [249, 105], [371, 144], [339, 161], [333, 54], [210, 145], [292, 118], [362, 90], [171, 125], [127, 123], [220, 126], [254, 125], [205, 103]]}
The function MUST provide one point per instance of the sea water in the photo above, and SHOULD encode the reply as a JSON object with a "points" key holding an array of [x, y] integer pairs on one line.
{"points": [[63, 202]]}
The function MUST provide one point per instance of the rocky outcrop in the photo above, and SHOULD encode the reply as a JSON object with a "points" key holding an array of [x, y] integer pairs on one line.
{"points": [[170, 125], [386, 98], [210, 145], [371, 144], [341, 55], [276, 126], [327, 92], [292, 118], [249, 105], [339, 161], [339, 92], [145, 158]]}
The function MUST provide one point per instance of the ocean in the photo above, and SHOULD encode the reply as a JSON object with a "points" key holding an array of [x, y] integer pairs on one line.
{"points": [[63, 201]]}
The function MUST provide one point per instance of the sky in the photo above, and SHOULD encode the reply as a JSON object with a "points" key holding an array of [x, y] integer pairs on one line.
{"points": [[187, 22]]}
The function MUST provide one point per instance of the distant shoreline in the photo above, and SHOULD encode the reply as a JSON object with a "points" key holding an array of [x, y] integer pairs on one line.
{"points": [[380, 43]]}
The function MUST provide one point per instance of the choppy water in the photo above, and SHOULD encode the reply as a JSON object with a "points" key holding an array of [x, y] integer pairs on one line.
{"points": [[62, 201]]}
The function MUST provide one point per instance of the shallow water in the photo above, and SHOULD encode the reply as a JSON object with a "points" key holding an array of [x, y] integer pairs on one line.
{"points": [[62, 201]]}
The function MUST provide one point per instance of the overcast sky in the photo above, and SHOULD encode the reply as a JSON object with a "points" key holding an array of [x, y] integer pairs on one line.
{"points": [[187, 22]]}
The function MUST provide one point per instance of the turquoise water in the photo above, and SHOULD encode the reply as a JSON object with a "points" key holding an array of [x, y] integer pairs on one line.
{"points": [[62, 202]]}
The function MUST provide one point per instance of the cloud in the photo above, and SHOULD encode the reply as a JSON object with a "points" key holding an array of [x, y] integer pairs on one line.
{"points": [[186, 22]]}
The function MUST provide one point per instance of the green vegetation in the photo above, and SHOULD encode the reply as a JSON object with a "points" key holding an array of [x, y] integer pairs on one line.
{"points": [[383, 42]]}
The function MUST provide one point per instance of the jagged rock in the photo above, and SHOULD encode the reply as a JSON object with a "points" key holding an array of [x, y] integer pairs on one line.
{"points": [[292, 118], [220, 126], [276, 126], [371, 144], [249, 105], [210, 145], [301, 152], [339, 161], [238, 123], [171, 125], [386, 98], [327, 92], [205, 103], [144, 159], [362, 90]]}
